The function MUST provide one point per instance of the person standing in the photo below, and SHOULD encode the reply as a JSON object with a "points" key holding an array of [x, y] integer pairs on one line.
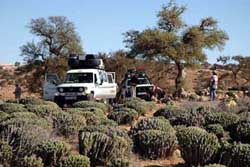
{"points": [[18, 92], [213, 86], [134, 82]]}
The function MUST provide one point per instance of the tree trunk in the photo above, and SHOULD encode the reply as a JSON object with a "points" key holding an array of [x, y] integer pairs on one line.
{"points": [[179, 79]]}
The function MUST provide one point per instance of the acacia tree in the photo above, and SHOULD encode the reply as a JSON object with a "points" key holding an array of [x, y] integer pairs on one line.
{"points": [[238, 65], [172, 40], [55, 39]]}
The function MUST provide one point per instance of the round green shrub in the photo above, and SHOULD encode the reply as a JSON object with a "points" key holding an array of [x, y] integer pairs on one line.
{"points": [[217, 129], [43, 110], [197, 146], [74, 161], [97, 111], [119, 163], [24, 131], [3, 115], [102, 148], [12, 107], [141, 106], [154, 144], [156, 123], [235, 155], [91, 118], [31, 100], [241, 131], [6, 153], [214, 165], [32, 161], [68, 124], [179, 116], [123, 115], [52, 151], [224, 118], [87, 104]]}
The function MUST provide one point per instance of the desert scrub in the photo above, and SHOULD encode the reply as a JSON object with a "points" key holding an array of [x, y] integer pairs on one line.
{"points": [[214, 165], [226, 119], [43, 110], [197, 146], [235, 155], [154, 144], [183, 116], [52, 151], [67, 124], [102, 148], [217, 129], [241, 131], [74, 161], [31, 100], [123, 115], [119, 163], [97, 111], [3, 115], [12, 107], [5, 153], [87, 104], [32, 161], [153, 138], [141, 106], [158, 123], [24, 131]]}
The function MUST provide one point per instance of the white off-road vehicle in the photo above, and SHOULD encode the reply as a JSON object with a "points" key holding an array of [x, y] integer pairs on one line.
{"points": [[86, 80]]}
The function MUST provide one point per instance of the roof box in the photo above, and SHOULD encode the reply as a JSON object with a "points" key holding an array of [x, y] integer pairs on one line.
{"points": [[88, 61]]}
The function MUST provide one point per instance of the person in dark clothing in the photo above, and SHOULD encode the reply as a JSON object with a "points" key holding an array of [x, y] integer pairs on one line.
{"points": [[134, 82], [18, 92]]}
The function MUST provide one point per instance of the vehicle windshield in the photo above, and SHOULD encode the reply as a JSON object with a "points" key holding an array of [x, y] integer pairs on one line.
{"points": [[79, 78], [140, 81]]}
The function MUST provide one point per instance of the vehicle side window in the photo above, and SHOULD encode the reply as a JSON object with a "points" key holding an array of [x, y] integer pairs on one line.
{"points": [[110, 78], [96, 82]]}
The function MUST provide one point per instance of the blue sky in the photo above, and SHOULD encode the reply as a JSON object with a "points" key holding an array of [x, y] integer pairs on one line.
{"points": [[100, 23]]}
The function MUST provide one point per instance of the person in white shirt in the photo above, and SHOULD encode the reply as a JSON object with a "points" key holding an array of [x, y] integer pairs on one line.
{"points": [[213, 86]]}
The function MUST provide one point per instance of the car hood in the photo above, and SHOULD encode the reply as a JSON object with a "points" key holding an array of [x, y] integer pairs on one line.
{"points": [[75, 85]]}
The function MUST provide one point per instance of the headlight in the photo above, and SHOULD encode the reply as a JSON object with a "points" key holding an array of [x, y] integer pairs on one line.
{"points": [[81, 89], [60, 90]]}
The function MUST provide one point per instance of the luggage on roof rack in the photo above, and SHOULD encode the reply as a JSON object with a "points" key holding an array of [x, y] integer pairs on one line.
{"points": [[88, 61]]}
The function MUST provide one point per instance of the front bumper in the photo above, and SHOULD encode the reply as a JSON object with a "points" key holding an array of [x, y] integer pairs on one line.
{"points": [[61, 98]]}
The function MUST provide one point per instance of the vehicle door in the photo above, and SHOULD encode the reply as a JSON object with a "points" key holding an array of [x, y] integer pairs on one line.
{"points": [[50, 86], [113, 86], [104, 88]]}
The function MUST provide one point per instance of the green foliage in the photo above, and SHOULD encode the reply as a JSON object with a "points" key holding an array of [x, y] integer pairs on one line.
{"points": [[3, 115], [235, 155], [214, 165], [217, 129], [154, 144], [241, 131], [89, 104], [32, 161], [68, 123], [139, 105], [102, 144], [97, 111], [74, 161], [151, 123], [226, 119], [52, 151], [43, 110], [12, 107], [123, 115], [31, 100], [24, 131], [119, 163], [6, 153], [198, 147], [180, 116]]}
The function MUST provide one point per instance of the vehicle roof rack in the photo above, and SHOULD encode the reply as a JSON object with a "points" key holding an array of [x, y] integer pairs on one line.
{"points": [[85, 61]]}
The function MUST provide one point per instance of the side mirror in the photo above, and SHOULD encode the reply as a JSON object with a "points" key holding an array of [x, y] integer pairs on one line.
{"points": [[54, 82]]}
